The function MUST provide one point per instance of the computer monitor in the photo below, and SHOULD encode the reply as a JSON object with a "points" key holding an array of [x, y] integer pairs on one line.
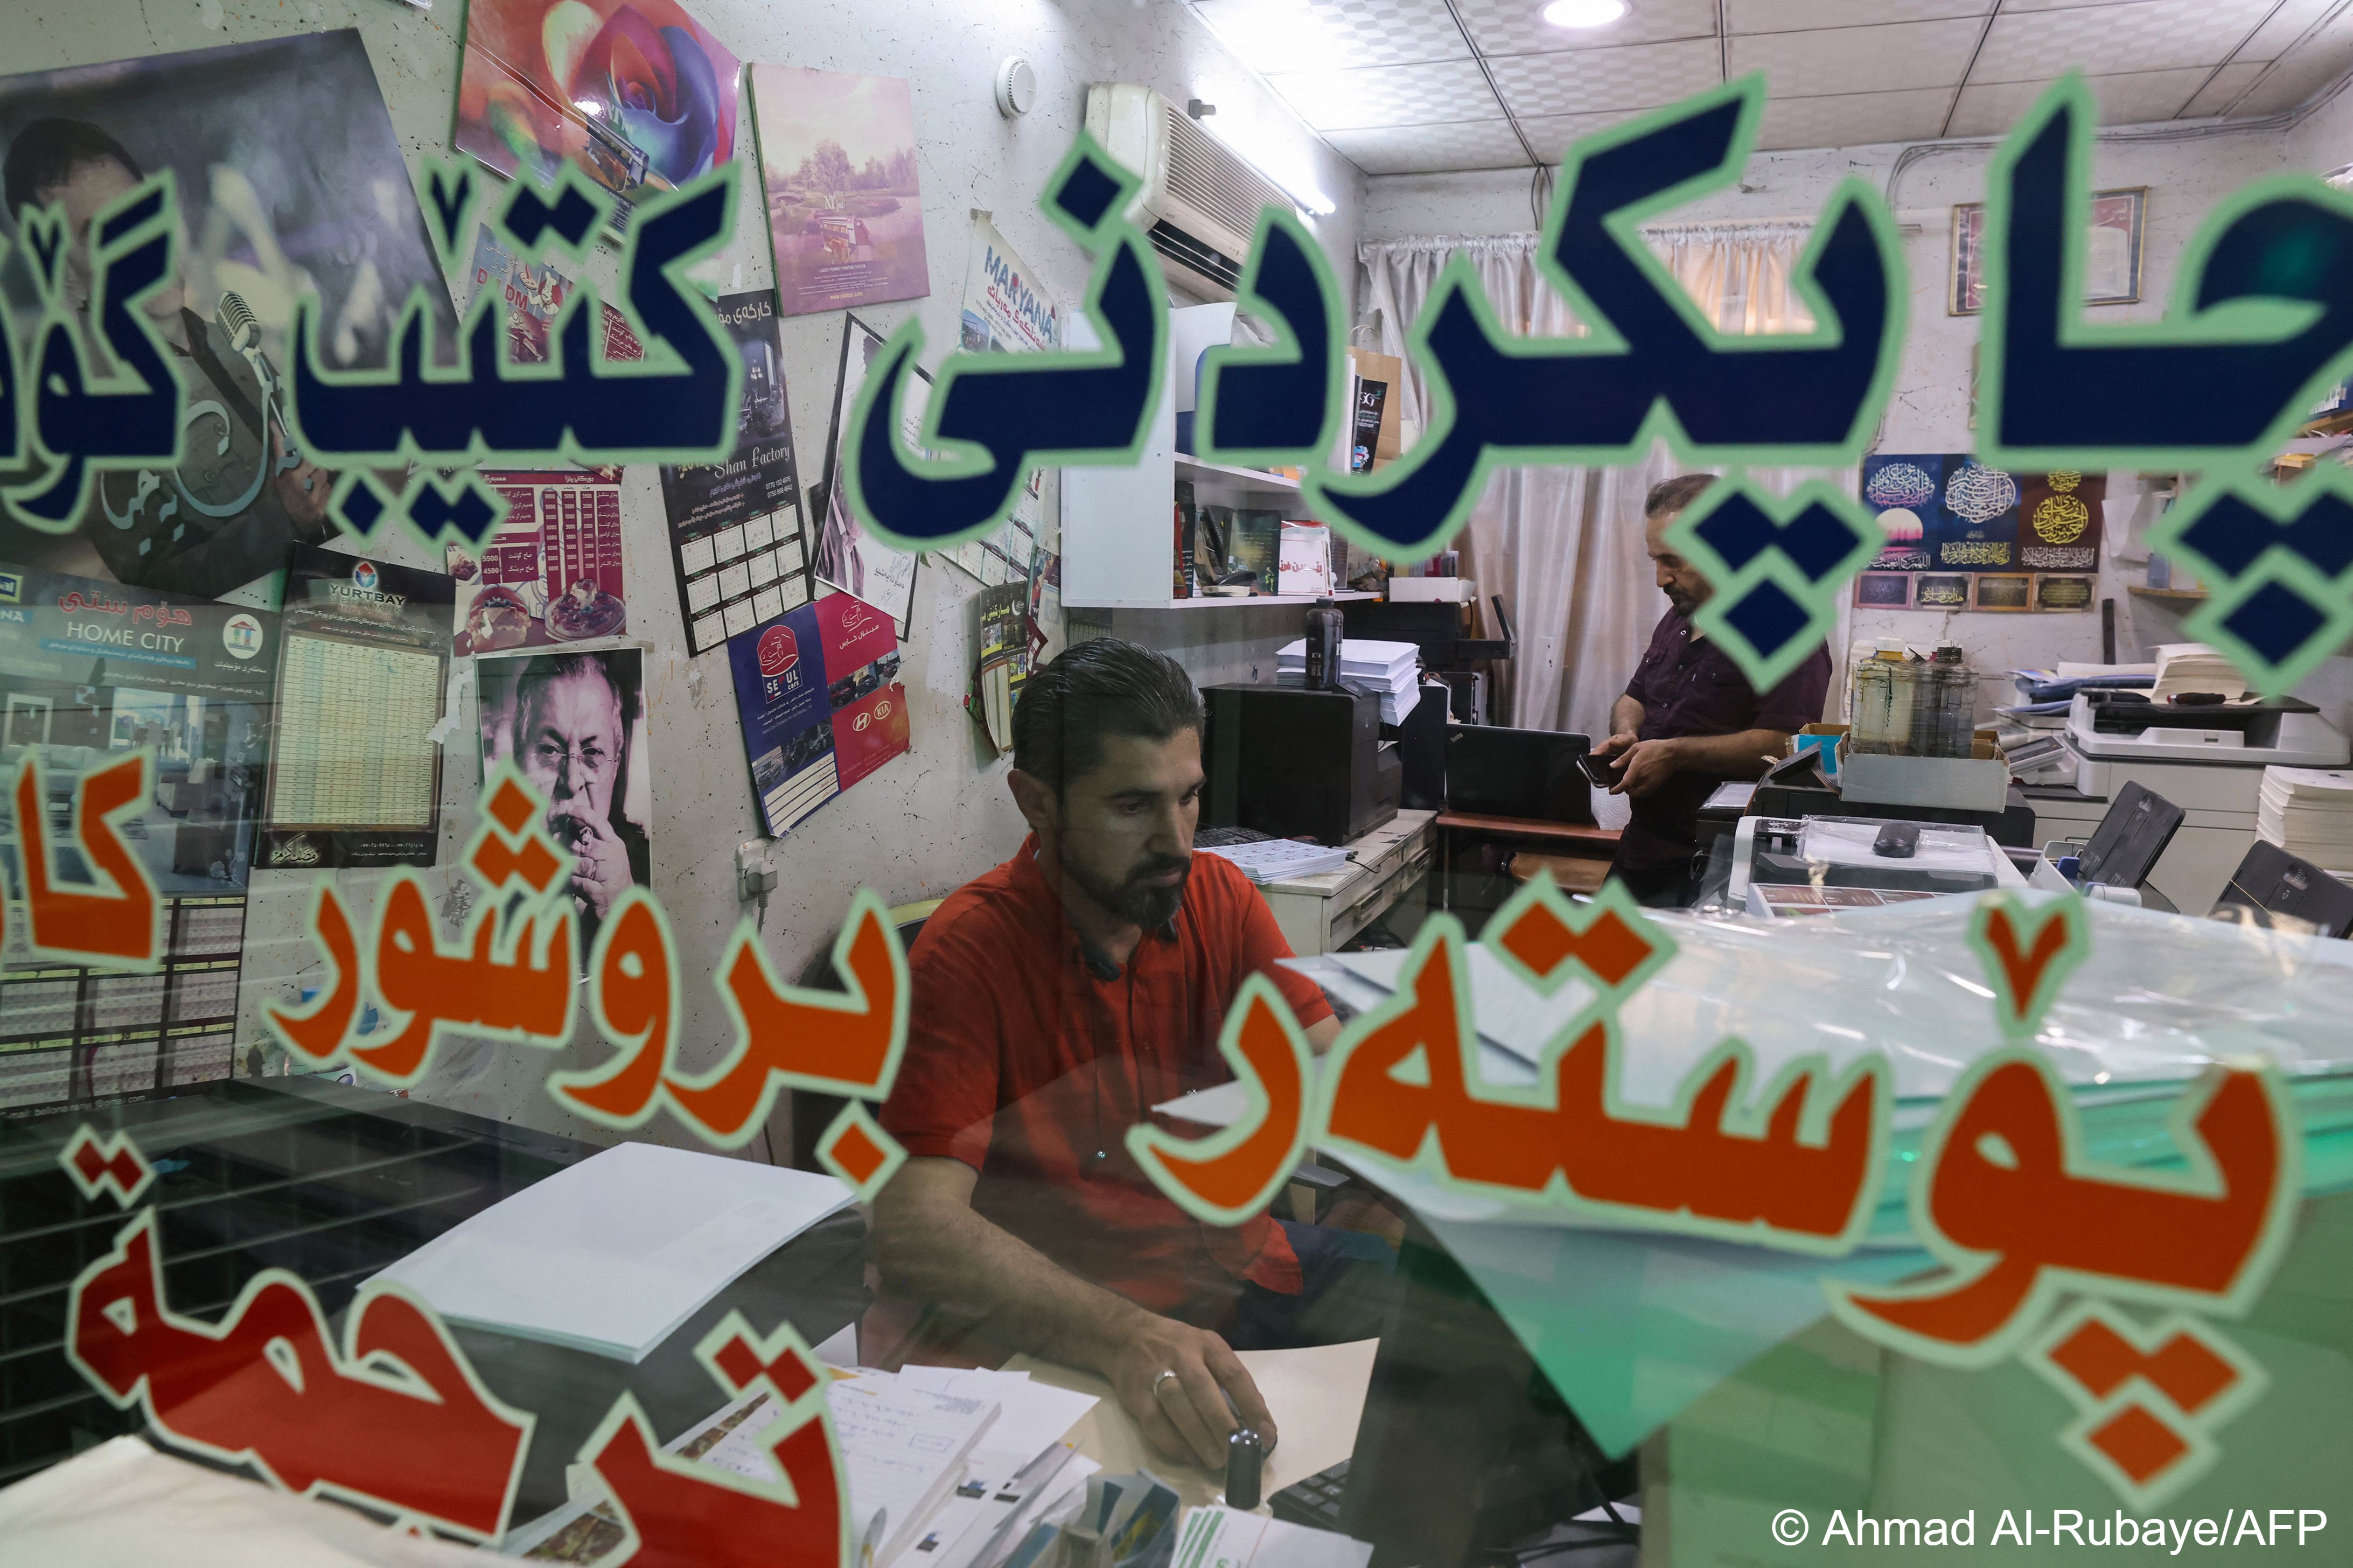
{"points": [[1517, 772], [1465, 1446], [2130, 838], [2274, 889]]}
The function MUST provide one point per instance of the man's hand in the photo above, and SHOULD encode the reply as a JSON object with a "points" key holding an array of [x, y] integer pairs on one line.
{"points": [[1622, 740], [1646, 766], [1185, 1416], [600, 863]]}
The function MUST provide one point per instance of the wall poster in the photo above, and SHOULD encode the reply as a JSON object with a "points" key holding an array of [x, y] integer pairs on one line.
{"points": [[837, 169], [552, 573], [1005, 314], [821, 704], [573, 721], [354, 771], [845, 556], [291, 182], [1946, 512], [737, 534], [636, 94]]}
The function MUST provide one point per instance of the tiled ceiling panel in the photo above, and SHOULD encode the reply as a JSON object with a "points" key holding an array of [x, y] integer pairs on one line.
{"points": [[1389, 95], [1798, 15], [1860, 59], [2223, 89], [2142, 35], [1433, 149], [1581, 81], [1854, 119], [1989, 108], [1282, 34], [1428, 86], [1517, 27]]}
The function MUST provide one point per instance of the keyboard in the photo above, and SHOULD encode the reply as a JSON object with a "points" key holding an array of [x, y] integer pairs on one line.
{"points": [[1315, 1501], [1222, 838]]}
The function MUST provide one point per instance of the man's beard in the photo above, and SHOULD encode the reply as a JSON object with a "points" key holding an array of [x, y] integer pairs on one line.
{"points": [[1149, 905]]}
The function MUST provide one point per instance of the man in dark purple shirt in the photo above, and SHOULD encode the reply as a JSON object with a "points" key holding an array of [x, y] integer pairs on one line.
{"points": [[1689, 720]]}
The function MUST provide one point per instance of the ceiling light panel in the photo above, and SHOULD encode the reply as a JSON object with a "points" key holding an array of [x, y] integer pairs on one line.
{"points": [[1389, 95], [1798, 15], [2133, 97], [1518, 27], [1431, 149], [1893, 59], [1283, 35], [1583, 81], [1854, 119], [2153, 34]]}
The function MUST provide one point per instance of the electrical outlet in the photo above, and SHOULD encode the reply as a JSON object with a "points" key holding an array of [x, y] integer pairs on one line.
{"points": [[755, 874]]}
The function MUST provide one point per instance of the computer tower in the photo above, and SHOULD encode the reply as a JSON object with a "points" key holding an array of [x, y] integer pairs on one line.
{"points": [[1295, 762]]}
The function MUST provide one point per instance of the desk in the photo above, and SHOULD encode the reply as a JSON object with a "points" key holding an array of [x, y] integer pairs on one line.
{"points": [[1316, 1396], [1319, 914], [1556, 837]]}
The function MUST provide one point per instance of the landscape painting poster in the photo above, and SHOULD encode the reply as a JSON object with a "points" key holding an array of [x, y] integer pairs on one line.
{"points": [[636, 94], [290, 183], [837, 175]]}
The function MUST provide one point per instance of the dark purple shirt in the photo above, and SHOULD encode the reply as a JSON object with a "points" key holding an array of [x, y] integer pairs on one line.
{"points": [[1688, 686]]}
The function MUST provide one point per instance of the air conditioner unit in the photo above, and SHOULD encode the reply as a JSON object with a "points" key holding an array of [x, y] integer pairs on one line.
{"points": [[1200, 201]]}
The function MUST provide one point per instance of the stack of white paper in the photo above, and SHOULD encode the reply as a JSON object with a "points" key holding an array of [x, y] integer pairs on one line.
{"points": [[2308, 812], [613, 1254], [1390, 669], [1228, 1538], [2194, 667], [1276, 860]]}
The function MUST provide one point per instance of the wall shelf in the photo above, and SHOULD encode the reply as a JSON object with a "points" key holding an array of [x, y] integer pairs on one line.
{"points": [[1225, 476], [2185, 596], [1297, 601]]}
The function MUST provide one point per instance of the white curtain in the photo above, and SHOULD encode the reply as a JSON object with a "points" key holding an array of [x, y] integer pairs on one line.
{"points": [[1564, 546]]}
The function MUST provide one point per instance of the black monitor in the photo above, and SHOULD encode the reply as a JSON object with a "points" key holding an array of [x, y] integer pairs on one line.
{"points": [[2274, 889], [1517, 772], [1465, 1447], [2126, 845]]}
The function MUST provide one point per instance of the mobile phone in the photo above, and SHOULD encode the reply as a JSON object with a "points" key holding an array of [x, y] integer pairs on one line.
{"points": [[1597, 770]]}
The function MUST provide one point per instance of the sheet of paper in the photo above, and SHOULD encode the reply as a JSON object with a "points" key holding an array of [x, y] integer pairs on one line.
{"points": [[613, 1254], [1225, 1538], [1316, 1396], [1030, 1414]]}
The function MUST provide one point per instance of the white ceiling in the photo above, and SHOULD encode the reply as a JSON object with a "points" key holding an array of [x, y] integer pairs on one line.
{"points": [[1422, 86]]}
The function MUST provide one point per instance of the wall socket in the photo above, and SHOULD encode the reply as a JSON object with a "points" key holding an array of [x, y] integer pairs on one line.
{"points": [[755, 873]]}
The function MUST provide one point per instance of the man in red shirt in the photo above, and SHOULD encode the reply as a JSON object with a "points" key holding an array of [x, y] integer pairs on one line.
{"points": [[1057, 999]]}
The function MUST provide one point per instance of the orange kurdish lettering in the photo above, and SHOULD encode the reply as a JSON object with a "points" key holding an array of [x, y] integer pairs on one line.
{"points": [[1231, 1175], [398, 1418], [788, 1038], [687, 1514], [2011, 1206], [319, 1033], [633, 997], [117, 928], [1402, 1085], [476, 988]]}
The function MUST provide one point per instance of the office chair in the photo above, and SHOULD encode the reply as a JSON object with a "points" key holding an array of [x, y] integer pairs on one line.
{"points": [[811, 1112]]}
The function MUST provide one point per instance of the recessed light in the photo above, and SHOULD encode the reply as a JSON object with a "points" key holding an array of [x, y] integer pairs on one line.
{"points": [[1584, 13]]}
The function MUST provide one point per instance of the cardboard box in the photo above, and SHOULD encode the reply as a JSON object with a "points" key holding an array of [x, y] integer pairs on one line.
{"points": [[1377, 387], [1961, 784]]}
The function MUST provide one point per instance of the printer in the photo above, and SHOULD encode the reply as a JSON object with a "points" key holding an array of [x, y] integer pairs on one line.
{"points": [[1293, 762], [2206, 758]]}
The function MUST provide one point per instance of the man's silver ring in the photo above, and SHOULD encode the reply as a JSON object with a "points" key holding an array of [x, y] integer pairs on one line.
{"points": [[1161, 1379]]}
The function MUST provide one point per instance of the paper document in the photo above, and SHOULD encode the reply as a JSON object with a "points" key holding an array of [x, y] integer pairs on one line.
{"points": [[613, 1254]]}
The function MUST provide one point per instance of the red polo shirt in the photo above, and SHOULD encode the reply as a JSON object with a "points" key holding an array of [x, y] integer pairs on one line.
{"points": [[1029, 1067]]}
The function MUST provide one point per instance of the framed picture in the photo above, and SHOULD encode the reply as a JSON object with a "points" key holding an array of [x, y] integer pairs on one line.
{"points": [[2069, 592], [1941, 590], [2004, 591], [1883, 591], [2112, 252]]}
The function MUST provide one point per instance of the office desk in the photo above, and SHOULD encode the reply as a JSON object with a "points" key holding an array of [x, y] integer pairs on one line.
{"points": [[1316, 1397], [1319, 914], [1553, 837]]}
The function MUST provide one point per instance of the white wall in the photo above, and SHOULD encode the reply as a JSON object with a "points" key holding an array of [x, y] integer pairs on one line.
{"points": [[926, 822], [1928, 411]]}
